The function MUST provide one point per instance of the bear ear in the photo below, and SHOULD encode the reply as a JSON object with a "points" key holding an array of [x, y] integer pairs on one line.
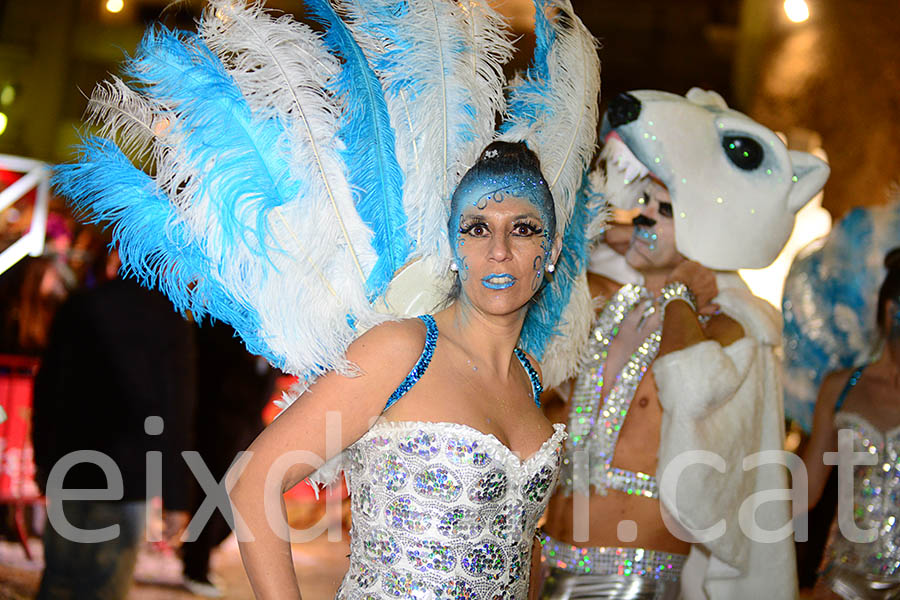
{"points": [[706, 98], [810, 173]]}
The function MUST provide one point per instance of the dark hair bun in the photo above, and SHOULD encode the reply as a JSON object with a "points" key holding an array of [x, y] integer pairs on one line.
{"points": [[892, 259], [510, 153]]}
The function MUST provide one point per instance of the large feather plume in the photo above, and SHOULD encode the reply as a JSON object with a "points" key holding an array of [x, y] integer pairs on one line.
{"points": [[440, 64], [368, 149], [556, 327], [554, 106], [121, 114], [250, 214]]}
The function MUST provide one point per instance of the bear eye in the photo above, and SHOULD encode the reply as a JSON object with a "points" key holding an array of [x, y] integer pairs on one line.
{"points": [[746, 153]]}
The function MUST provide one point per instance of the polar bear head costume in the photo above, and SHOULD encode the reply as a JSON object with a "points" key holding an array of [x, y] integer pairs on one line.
{"points": [[734, 186]]}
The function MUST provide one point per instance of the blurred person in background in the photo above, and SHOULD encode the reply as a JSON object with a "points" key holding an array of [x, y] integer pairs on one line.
{"points": [[866, 401], [117, 378], [233, 387], [31, 292]]}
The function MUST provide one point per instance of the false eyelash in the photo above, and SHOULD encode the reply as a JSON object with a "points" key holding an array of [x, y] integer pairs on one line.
{"points": [[535, 229], [464, 229]]}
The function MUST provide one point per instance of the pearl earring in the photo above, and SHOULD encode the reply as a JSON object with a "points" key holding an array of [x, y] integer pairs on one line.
{"points": [[551, 267], [454, 267]]}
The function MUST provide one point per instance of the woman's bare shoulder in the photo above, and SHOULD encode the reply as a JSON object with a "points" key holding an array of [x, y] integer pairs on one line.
{"points": [[396, 345], [830, 389]]}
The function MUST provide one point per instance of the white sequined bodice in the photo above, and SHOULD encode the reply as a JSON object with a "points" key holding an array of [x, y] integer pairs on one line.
{"points": [[876, 499], [442, 510]]}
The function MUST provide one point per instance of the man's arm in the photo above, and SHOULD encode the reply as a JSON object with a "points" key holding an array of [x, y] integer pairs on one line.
{"points": [[681, 322]]}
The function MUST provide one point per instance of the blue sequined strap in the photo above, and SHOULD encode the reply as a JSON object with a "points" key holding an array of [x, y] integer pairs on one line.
{"points": [[854, 379], [431, 336], [536, 386]]}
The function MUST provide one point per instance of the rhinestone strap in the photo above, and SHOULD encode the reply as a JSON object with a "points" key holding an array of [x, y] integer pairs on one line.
{"points": [[676, 291], [605, 560], [536, 387], [431, 336], [596, 429]]}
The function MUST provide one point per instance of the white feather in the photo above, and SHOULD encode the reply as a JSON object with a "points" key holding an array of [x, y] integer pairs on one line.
{"points": [[283, 71], [455, 54], [124, 116], [565, 354], [565, 140]]}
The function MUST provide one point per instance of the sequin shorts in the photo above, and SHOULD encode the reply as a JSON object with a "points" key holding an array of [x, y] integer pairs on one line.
{"points": [[566, 585], [848, 583], [632, 562]]}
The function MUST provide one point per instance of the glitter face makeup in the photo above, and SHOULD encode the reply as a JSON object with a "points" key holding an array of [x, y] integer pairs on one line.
{"points": [[478, 188], [502, 227], [653, 238], [647, 236], [501, 249]]}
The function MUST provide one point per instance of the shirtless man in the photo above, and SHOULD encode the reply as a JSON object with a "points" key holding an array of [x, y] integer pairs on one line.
{"points": [[628, 514], [681, 360]]}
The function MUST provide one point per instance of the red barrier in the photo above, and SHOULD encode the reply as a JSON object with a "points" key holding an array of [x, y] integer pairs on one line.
{"points": [[17, 471]]}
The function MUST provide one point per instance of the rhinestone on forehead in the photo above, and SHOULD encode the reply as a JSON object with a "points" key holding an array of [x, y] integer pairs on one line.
{"points": [[496, 186]]}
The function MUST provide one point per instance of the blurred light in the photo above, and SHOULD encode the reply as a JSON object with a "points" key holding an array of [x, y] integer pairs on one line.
{"points": [[796, 10], [3, 122], [813, 222], [115, 6], [7, 95]]}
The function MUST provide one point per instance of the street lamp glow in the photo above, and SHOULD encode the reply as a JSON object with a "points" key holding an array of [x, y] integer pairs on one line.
{"points": [[115, 6], [3, 122], [796, 10]]}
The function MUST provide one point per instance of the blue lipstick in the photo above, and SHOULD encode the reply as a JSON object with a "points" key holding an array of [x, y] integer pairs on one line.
{"points": [[500, 281], [646, 236]]}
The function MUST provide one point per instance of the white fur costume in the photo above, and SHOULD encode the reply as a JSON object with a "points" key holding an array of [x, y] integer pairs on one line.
{"points": [[710, 399], [728, 402], [734, 189]]}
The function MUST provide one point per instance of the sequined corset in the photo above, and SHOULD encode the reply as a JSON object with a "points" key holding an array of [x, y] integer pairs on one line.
{"points": [[876, 500], [594, 428], [441, 510]]}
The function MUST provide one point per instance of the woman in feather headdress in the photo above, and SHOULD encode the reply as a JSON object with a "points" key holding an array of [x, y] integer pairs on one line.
{"points": [[314, 189], [442, 497], [861, 557]]}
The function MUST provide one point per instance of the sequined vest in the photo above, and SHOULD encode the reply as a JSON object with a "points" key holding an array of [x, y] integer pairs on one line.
{"points": [[876, 501], [594, 426], [441, 510]]}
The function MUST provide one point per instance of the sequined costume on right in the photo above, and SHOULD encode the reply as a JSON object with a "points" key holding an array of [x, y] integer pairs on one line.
{"points": [[594, 424], [715, 192], [869, 571]]}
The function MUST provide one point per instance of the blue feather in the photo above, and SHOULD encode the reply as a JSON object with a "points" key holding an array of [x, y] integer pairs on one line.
{"points": [[369, 151], [236, 157], [527, 98], [544, 318], [231, 157], [155, 246]]}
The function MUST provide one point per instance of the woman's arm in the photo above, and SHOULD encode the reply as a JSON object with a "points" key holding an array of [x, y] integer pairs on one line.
{"points": [[823, 438], [305, 432], [536, 578]]}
